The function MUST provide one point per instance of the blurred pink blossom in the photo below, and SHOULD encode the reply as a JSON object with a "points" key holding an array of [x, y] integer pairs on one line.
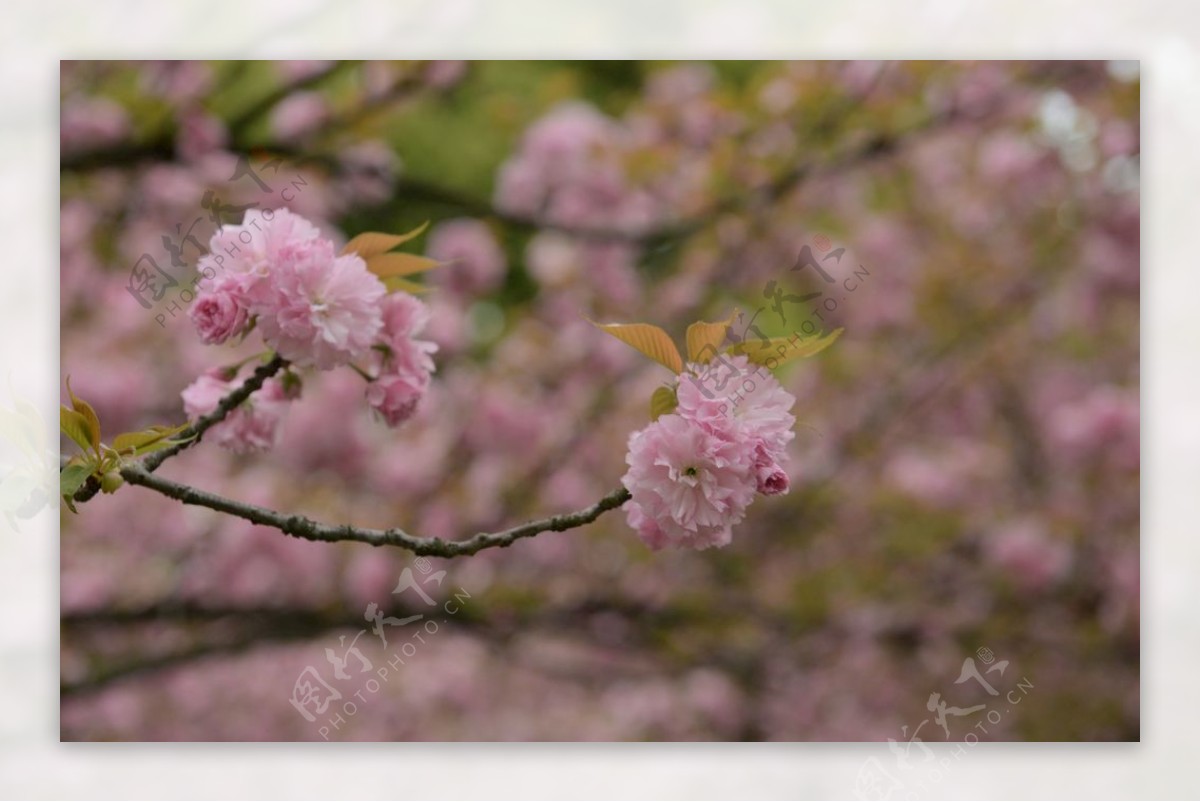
{"points": [[252, 426], [199, 134], [90, 123], [1028, 554], [298, 115], [474, 262]]}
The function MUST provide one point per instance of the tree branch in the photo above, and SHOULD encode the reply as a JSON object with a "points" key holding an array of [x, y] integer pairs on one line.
{"points": [[192, 434], [308, 529]]}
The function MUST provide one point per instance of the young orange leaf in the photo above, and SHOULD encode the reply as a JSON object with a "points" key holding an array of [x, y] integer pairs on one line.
{"points": [[650, 340], [703, 339], [373, 243], [399, 264]]}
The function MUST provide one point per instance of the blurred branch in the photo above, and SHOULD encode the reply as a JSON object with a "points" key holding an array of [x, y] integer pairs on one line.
{"points": [[241, 629], [402, 88], [875, 147], [257, 626], [241, 123], [408, 189], [160, 147]]}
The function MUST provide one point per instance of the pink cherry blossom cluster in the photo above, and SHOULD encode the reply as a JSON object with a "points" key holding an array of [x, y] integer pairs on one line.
{"points": [[315, 308], [693, 473]]}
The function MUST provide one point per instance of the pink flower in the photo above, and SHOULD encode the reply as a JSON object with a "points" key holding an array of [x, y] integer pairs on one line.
{"points": [[220, 310], [395, 396], [732, 388], [322, 310], [403, 316], [405, 363], [771, 479], [252, 426], [690, 483], [648, 529], [267, 242]]}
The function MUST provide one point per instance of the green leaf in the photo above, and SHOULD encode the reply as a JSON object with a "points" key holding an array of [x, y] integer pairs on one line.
{"points": [[71, 478], [386, 265], [649, 340], [89, 415], [703, 339], [663, 402], [779, 351], [74, 426], [373, 243]]}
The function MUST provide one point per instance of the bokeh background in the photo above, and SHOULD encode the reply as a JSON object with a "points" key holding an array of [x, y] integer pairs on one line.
{"points": [[965, 472]]}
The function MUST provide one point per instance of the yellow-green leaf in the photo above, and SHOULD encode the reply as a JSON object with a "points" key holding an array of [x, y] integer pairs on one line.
{"points": [[74, 426], [650, 340], [373, 243], [778, 351], [136, 442], [663, 402], [386, 265], [703, 339], [158, 445], [89, 415]]}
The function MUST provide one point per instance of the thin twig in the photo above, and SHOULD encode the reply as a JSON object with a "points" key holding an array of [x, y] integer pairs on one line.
{"points": [[192, 434], [308, 529]]}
